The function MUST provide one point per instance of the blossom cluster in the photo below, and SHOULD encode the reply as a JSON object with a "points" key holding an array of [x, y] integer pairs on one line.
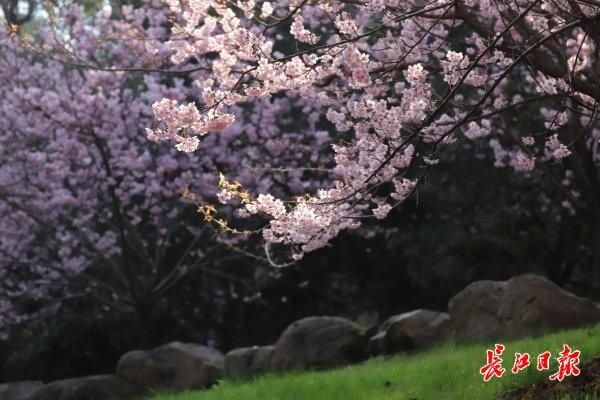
{"points": [[370, 73]]}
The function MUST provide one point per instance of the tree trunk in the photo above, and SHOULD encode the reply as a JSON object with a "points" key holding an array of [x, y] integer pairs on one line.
{"points": [[145, 328]]}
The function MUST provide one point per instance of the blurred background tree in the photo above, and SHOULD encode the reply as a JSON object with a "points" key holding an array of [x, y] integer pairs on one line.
{"points": [[489, 225]]}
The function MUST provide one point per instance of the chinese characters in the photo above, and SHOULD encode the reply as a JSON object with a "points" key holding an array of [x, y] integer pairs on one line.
{"points": [[568, 362]]}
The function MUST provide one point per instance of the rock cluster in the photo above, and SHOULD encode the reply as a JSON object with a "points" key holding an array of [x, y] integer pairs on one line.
{"points": [[486, 310]]}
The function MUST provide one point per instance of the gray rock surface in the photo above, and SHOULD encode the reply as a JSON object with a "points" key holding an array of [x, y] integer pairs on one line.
{"points": [[98, 387], [319, 342], [19, 390], [409, 331], [525, 305], [176, 366], [248, 361], [474, 312]]}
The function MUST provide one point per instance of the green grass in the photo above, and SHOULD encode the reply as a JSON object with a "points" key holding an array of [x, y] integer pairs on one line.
{"points": [[449, 372]]}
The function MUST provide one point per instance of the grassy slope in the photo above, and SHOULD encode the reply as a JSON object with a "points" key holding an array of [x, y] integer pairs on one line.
{"points": [[448, 372]]}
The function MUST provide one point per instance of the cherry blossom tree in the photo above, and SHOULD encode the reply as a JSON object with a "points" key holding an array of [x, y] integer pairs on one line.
{"points": [[320, 115], [394, 83], [87, 205], [78, 187]]}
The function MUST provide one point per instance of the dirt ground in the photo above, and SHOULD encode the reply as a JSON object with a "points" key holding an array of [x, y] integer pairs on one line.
{"points": [[588, 382]]}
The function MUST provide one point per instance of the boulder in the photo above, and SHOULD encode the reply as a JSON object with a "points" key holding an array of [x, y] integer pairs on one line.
{"points": [[19, 390], [533, 305], [525, 305], [474, 311], [319, 342], [175, 366], [408, 331], [248, 361], [99, 387]]}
